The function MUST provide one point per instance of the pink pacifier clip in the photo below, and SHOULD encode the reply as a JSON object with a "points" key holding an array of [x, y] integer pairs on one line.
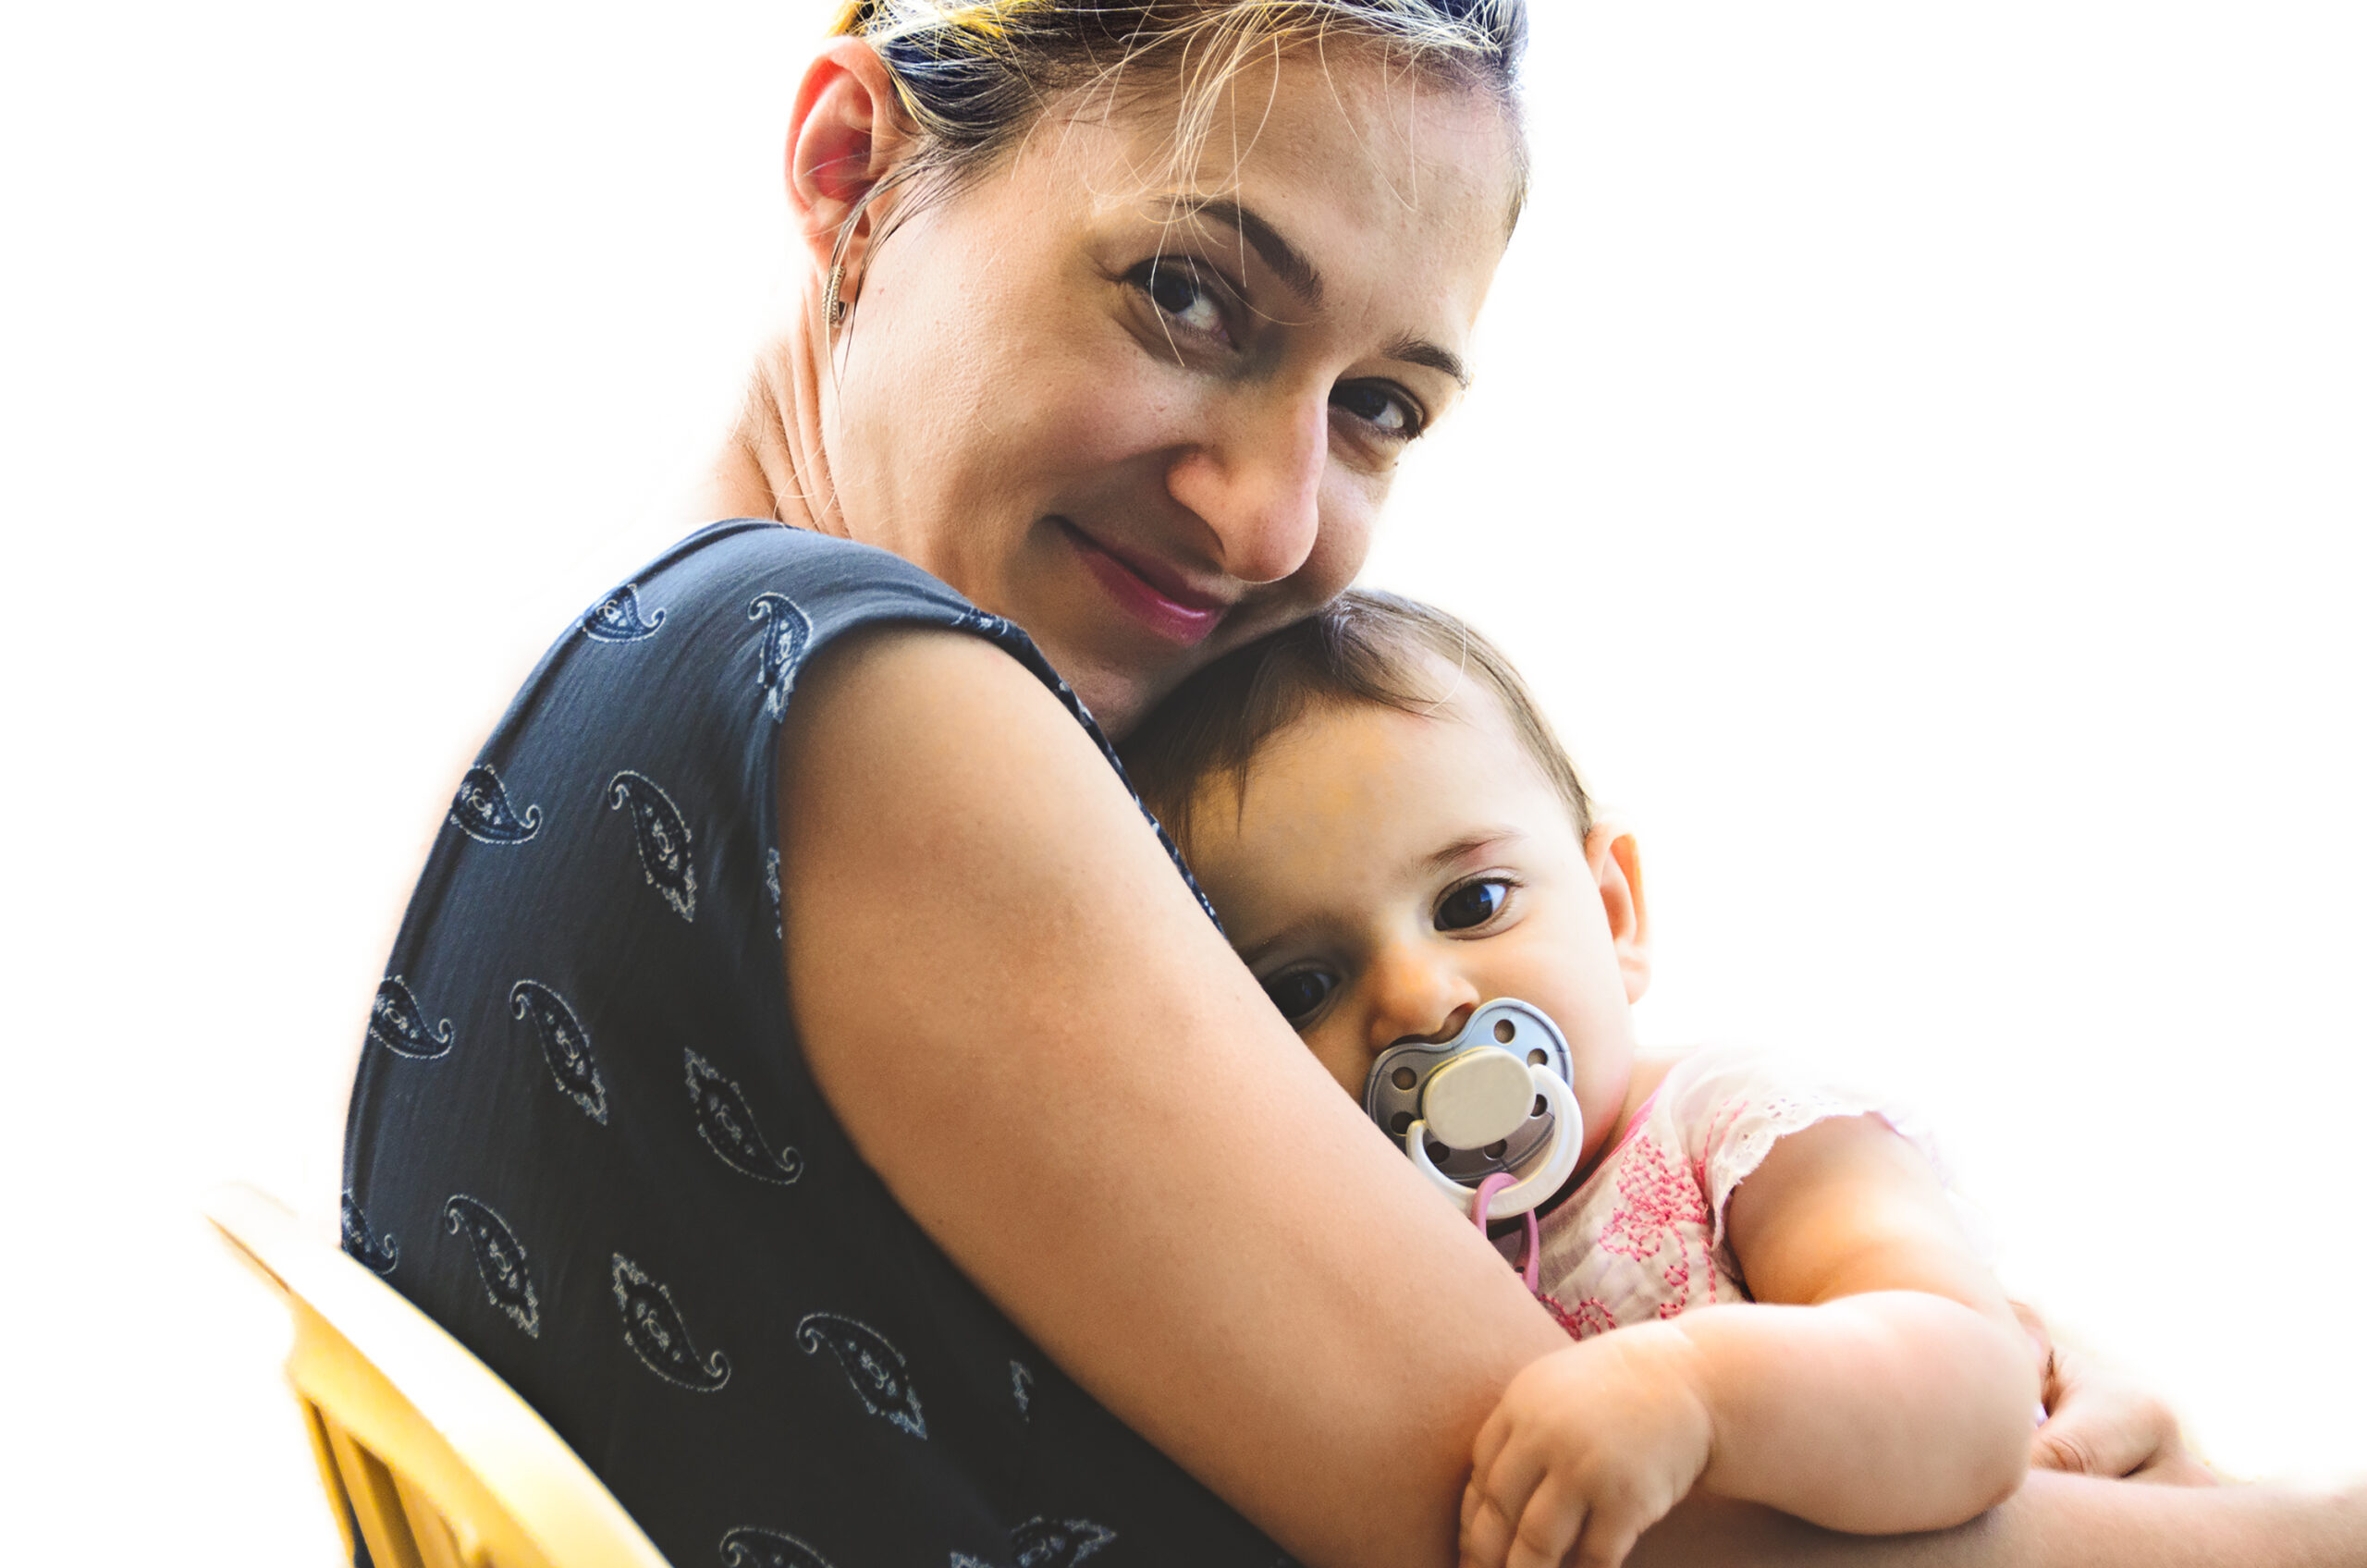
{"points": [[1528, 1250]]}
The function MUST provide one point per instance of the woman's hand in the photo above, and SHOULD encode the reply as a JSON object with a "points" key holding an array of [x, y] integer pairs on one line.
{"points": [[2100, 1423], [1590, 1447]]}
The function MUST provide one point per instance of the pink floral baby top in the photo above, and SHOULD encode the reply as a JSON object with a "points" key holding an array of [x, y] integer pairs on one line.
{"points": [[1645, 1237]]}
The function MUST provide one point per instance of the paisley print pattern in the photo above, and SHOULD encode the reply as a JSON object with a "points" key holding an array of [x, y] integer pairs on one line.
{"points": [[1059, 1543], [749, 1547], [874, 1368], [662, 837], [655, 1330], [786, 634], [1023, 1385], [772, 887], [501, 1262], [482, 810], [730, 1127], [617, 619], [988, 624], [566, 1047], [376, 1254], [398, 1023]]}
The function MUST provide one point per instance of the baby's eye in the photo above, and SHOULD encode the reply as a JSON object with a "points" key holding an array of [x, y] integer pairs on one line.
{"points": [[1473, 904], [1297, 993]]}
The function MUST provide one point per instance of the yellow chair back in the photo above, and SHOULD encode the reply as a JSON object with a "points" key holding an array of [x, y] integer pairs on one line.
{"points": [[426, 1453]]}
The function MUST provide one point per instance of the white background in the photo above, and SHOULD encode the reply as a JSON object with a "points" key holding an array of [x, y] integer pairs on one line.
{"points": [[1920, 454]]}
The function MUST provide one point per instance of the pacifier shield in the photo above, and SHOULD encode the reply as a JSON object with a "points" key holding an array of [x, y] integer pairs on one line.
{"points": [[1397, 1091], [1479, 1097]]}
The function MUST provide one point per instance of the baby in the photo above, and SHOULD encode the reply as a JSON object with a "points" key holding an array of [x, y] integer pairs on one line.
{"points": [[1770, 1296]]}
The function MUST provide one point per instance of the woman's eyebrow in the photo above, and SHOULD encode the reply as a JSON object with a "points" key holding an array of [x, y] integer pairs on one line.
{"points": [[1301, 277], [1422, 351], [1288, 261]]}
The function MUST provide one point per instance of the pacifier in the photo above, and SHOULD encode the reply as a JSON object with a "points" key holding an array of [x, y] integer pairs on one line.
{"points": [[1494, 1102]]}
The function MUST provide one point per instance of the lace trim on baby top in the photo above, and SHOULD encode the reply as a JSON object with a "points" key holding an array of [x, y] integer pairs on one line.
{"points": [[1732, 1107]]}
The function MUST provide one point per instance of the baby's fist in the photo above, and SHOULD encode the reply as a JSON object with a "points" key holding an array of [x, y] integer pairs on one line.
{"points": [[1590, 1448]]}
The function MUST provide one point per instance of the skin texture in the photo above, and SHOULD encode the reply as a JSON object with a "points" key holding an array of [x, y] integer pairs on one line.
{"points": [[1008, 999], [1385, 872], [2055, 1521]]}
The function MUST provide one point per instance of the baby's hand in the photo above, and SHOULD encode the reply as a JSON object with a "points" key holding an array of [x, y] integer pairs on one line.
{"points": [[1589, 1447]]}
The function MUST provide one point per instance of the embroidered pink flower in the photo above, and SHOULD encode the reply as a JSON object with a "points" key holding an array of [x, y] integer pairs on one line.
{"points": [[1655, 1197], [1584, 1321]]}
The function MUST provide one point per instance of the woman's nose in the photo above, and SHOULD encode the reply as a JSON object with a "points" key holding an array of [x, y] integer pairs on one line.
{"points": [[1255, 484], [1417, 994]]}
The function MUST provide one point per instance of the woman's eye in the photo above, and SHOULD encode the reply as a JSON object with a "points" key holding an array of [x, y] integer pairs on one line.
{"points": [[1473, 904], [1296, 994], [1384, 407], [1180, 292]]}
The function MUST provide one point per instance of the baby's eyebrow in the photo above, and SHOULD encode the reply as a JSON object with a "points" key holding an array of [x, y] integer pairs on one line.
{"points": [[1293, 933], [1471, 846]]}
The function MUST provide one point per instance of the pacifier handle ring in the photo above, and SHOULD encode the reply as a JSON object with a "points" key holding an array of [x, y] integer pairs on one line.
{"points": [[1539, 1184], [1530, 1247]]}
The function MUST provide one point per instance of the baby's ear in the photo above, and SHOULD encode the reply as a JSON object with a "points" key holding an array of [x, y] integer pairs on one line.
{"points": [[1619, 874]]}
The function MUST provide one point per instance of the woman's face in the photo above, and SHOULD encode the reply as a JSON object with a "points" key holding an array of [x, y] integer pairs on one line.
{"points": [[1150, 417]]}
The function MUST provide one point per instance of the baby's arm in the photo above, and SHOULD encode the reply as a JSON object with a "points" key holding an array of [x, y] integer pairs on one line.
{"points": [[1880, 1384]]}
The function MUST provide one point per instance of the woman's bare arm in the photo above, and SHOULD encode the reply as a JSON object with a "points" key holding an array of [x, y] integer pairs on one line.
{"points": [[1051, 1057], [2055, 1521]]}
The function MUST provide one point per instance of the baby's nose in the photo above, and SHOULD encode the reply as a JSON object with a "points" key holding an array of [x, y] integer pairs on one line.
{"points": [[1418, 997]]}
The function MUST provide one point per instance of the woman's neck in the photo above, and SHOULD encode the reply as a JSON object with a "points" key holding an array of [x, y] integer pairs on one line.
{"points": [[772, 464]]}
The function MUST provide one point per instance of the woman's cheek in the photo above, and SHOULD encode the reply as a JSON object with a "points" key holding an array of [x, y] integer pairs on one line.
{"points": [[1120, 413], [1347, 517]]}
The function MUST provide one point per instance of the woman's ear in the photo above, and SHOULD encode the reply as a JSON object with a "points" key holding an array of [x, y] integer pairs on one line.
{"points": [[1611, 855], [846, 131]]}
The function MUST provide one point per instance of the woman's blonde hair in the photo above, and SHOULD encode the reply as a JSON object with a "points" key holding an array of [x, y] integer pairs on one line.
{"points": [[974, 77]]}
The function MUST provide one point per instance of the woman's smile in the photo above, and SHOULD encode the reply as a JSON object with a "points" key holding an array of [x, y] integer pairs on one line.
{"points": [[1153, 591]]}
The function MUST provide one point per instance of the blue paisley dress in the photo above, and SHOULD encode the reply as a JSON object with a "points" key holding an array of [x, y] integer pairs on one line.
{"points": [[584, 1137]]}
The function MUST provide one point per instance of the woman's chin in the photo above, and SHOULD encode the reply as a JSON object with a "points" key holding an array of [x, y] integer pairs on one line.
{"points": [[1115, 694], [1114, 669]]}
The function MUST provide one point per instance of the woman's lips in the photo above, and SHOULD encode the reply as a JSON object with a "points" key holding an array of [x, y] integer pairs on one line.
{"points": [[1151, 592]]}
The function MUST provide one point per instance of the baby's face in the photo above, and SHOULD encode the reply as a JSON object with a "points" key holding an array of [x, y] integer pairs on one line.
{"points": [[1385, 873]]}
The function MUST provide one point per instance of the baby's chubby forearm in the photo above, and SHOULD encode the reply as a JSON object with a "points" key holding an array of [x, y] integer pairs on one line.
{"points": [[1881, 1412]]}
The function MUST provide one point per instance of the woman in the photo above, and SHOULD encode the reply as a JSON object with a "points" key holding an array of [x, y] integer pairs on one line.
{"points": [[800, 1072]]}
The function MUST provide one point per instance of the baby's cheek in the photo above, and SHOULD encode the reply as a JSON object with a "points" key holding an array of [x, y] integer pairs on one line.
{"points": [[1601, 1094]]}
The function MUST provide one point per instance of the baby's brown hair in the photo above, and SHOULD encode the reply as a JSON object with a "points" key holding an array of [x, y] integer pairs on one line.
{"points": [[1366, 646]]}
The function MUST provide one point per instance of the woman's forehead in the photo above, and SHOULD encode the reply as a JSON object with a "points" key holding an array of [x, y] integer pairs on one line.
{"points": [[1337, 143]]}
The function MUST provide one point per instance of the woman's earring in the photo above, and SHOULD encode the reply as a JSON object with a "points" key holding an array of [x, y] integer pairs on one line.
{"points": [[834, 310]]}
